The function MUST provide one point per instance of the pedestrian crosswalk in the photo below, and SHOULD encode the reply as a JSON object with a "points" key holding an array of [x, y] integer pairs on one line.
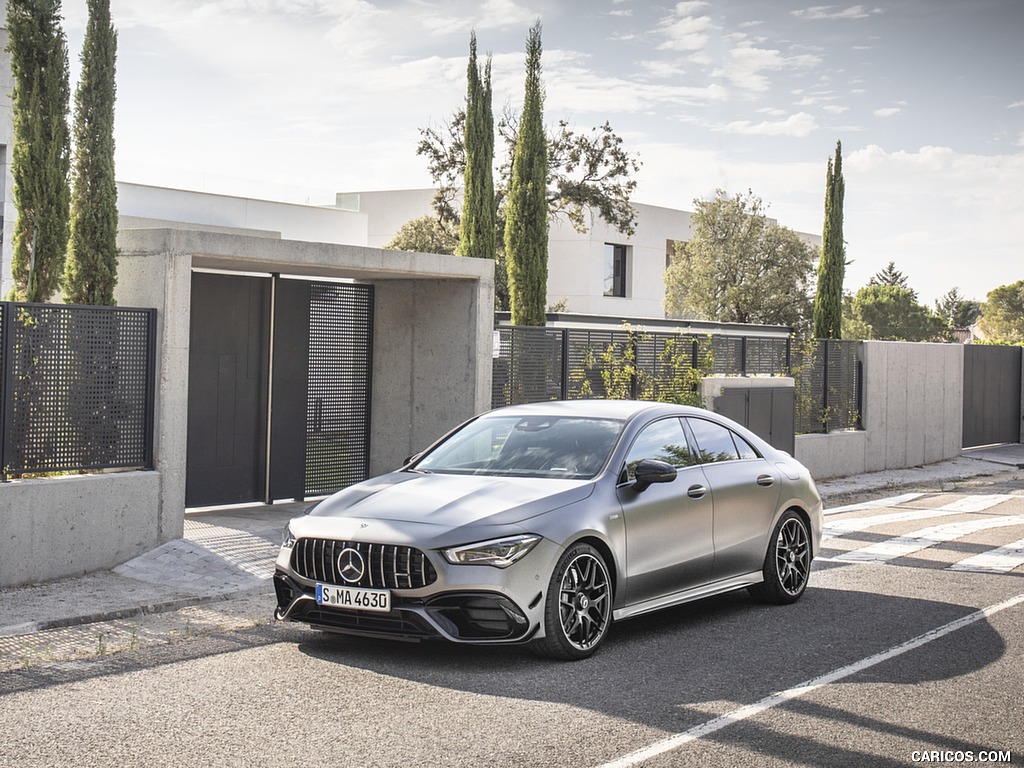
{"points": [[886, 530]]}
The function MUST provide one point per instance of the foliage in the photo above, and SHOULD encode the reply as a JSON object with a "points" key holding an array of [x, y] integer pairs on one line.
{"points": [[956, 312], [891, 312], [587, 172], [818, 409], [526, 225], [828, 301], [40, 159], [1003, 314], [892, 276], [477, 236], [90, 272], [426, 234], [739, 267], [672, 379]]}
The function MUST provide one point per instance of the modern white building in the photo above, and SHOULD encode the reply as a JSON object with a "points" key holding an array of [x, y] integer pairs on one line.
{"points": [[599, 272]]}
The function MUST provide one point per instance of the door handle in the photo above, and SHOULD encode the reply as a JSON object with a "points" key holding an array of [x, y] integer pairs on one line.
{"points": [[696, 491], [765, 480]]}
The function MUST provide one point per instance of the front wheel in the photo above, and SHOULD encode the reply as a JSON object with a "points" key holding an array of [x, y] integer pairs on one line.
{"points": [[787, 564], [578, 607]]}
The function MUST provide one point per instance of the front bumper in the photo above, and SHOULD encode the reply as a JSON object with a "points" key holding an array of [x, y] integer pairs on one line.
{"points": [[461, 617], [460, 603]]}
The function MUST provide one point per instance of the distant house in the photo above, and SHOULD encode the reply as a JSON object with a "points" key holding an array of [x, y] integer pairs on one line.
{"points": [[599, 272]]}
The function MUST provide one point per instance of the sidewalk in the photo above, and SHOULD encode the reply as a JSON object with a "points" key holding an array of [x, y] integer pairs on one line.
{"points": [[228, 553]]}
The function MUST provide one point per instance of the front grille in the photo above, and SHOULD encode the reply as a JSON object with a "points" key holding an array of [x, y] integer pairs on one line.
{"points": [[386, 566]]}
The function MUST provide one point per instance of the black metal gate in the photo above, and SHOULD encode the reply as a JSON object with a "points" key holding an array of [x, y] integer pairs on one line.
{"points": [[279, 388], [992, 395]]}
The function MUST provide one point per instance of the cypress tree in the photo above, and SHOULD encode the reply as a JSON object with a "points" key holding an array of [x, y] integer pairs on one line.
{"points": [[526, 225], [828, 301], [477, 225], [91, 269], [40, 158]]}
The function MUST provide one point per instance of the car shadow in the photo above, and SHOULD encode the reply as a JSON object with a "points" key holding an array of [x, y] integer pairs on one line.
{"points": [[663, 670]]}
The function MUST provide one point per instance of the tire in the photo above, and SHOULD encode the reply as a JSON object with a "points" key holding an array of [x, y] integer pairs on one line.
{"points": [[787, 564], [578, 606]]}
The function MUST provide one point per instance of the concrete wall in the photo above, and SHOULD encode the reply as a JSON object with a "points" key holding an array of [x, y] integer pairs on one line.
{"points": [[68, 526], [912, 412]]}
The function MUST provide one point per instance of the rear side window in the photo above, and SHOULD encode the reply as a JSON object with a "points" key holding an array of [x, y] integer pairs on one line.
{"points": [[714, 442]]}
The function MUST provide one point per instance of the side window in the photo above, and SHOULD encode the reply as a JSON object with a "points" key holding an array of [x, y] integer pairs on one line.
{"points": [[746, 449], [663, 440], [714, 442]]}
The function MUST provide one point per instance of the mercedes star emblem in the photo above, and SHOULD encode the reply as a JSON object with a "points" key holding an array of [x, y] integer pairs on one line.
{"points": [[350, 565]]}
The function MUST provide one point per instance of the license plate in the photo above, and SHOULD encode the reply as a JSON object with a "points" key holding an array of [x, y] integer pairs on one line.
{"points": [[353, 598]]}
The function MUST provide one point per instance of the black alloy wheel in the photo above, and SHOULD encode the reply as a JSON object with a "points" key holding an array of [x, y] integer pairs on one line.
{"points": [[578, 608], [787, 564]]}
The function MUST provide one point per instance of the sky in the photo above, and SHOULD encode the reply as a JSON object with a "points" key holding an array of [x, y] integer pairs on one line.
{"points": [[296, 100]]}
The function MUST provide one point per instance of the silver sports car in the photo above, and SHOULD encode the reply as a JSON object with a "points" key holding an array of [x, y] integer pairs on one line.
{"points": [[542, 523]]}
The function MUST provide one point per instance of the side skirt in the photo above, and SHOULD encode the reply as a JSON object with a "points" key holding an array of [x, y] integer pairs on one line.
{"points": [[689, 595]]}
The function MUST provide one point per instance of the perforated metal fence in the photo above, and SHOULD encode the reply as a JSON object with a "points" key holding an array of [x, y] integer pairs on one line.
{"points": [[340, 363], [828, 385], [534, 364], [76, 388]]}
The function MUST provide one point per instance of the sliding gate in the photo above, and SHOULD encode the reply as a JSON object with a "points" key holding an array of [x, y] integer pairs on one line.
{"points": [[279, 388], [992, 395]]}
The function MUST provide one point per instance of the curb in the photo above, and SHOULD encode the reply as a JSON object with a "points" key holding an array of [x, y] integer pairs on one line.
{"points": [[136, 611]]}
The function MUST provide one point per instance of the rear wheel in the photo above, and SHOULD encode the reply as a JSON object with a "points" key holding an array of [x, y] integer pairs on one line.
{"points": [[578, 607], [787, 564]]}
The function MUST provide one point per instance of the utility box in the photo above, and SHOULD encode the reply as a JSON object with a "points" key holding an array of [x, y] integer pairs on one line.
{"points": [[764, 405]]}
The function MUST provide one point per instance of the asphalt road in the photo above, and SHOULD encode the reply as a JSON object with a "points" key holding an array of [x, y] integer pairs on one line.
{"points": [[896, 656]]}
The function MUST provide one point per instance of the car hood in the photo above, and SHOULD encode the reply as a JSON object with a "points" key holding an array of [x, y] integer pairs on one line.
{"points": [[452, 501]]}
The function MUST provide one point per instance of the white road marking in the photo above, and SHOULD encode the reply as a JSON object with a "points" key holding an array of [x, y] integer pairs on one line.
{"points": [[1001, 560], [966, 505], [902, 546], [770, 702], [892, 501]]}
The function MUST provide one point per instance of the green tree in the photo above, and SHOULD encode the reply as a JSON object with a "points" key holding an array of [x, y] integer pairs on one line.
{"points": [[40, 159], [424, 235], [956, 312], [828, 301], [739, 267], [526, 225], [90, 273], [892, 276], [477, 234], [1002, 314], [891, 313]]}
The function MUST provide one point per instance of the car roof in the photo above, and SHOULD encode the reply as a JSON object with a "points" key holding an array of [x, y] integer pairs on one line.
{"points": [[605, 409]]}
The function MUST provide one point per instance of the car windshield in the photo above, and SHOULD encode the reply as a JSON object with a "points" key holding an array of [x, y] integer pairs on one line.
{"points": [[526, 446]]}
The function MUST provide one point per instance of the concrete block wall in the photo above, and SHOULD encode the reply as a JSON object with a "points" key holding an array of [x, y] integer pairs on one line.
{"points": [[912, 412], [68, 526]]}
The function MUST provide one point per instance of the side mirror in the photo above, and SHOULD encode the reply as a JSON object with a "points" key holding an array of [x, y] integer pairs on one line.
{"points": [[409, 460], [650, 471]]}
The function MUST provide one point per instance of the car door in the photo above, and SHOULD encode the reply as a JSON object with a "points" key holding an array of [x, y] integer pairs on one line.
{"points": [[669, 544], [745, 488]]}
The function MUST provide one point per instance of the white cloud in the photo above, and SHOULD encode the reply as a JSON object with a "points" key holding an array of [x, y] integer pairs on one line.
{"points": [[830, 12], [887, 112], [685, 31], [799, 125], [1015, 104]]}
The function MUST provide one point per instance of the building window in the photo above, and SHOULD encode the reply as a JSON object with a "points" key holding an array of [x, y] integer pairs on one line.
{"points": [[615, 270]]}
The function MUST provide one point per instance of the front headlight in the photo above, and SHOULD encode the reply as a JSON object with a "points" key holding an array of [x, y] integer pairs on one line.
{"points": [[289, 538], [500, 553]]}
